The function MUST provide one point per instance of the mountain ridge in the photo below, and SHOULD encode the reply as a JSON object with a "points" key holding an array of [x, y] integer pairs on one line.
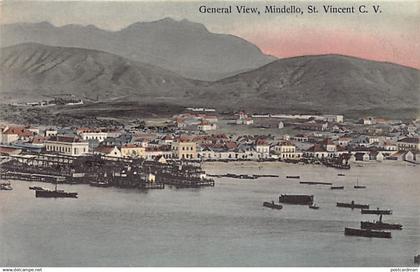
{"points": [[194, 52], [328, 83]]}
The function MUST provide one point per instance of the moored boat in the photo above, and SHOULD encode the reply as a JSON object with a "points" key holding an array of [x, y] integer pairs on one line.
{"points": [[293, 177], [272, 205], [5, 186], [340, 175], [352, 205], [379, 225], [297, 199], [337, 187], [54, 194], [315, 183], [314, 206], [367, 233], [100, 184], [357, 186], [377, 211], [37, 188]]}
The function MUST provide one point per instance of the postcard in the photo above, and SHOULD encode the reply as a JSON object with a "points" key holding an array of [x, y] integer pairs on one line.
{"points": [[209, 134]]}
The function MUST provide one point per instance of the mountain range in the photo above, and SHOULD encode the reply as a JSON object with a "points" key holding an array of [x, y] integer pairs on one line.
{"points": [[184, 47], [323, 83]]}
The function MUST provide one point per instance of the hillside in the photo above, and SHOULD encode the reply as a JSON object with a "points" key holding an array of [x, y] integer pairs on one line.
{"points": [[34, 71], [184, 47], [326, 83]]}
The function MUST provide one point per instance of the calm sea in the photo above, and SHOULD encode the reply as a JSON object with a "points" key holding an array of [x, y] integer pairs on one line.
{"points": [[221, 226]]}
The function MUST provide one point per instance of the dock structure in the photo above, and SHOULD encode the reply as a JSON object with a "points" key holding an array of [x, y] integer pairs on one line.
{"points": [[101, 171], [32, 177]]}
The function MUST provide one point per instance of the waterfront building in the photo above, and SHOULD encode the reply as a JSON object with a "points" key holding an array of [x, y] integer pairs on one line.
{"points": [[329, 145], [67, 145], [133, 150], [91, 134], [184, 149], [262, 148], [317, 151], [152, 153], [109, 151], [286, 150], [13, 134], [409, 144]]}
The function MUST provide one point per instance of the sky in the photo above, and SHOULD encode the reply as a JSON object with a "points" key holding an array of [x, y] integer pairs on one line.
{"points": [[391, 36]]}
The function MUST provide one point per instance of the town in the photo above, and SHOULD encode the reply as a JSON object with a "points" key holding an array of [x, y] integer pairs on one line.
{"points": [[154, 153], [195, 136]]}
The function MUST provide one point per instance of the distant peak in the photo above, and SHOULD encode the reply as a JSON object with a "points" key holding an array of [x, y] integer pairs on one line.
{"points": [[165, 20], [37, 24], [169, 22]]}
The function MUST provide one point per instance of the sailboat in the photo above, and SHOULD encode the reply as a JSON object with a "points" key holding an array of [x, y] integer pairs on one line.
{"points": [[54, 193], [357, 186]]}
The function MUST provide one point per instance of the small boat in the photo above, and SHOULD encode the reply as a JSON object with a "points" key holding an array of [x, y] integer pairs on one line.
{"points": [[314, 206], [377, 211], [294, 177], [352, 205], [367, 233], [272, 205], [379, 225], [315, 183], [297, 199], [100, 184], [340, 175], [337, 188], [357, 186], [54, 193], [5, 186], [36, 188]]}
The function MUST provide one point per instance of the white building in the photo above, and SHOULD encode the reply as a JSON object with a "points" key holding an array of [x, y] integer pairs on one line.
{"points": [[67, 145], [91, 135]]}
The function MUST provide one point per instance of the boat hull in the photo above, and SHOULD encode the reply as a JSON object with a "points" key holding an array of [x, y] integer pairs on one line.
{"points": [[379, 212], [272, 205], [352, 205], [297, 199], [54, 194], [380, 226], [366, 233]]}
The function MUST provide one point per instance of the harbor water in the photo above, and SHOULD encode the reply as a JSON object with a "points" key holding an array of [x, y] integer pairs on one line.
{"points": [[225, 225]]}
